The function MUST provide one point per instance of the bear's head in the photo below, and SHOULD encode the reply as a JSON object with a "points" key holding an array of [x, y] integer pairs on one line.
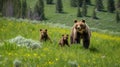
{"points": [[80, 26], [65, 37], [43, 32]]}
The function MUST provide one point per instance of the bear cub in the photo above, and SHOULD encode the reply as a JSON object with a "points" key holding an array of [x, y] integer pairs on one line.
{"points": [[64, 40], [44, 35]]}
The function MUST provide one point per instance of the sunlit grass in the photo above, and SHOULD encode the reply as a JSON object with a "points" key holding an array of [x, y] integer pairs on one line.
{"points": [[103, 52], [106, 37]]}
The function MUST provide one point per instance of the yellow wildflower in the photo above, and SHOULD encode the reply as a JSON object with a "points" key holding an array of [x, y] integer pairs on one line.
{"points": [[78, 65], [16, 54], [56, 59], [104, 36], [50, 62], [28, 55], [46, 49], [9, 54], [35, 54]]}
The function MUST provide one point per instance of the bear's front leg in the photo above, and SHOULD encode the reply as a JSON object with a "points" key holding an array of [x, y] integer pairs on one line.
{"points": [[67, 44], [77, 40], [71, 39], [86, 43]]}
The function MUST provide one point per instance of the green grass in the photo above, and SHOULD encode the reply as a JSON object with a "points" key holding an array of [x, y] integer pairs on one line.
{"points": [[103, 52]]}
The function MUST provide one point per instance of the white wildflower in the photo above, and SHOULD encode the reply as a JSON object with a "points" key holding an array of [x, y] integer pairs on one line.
{"points": [[17, 63], [29, 43]]}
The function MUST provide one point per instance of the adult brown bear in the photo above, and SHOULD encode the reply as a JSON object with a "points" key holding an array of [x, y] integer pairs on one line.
{"points": [[80, 30]]}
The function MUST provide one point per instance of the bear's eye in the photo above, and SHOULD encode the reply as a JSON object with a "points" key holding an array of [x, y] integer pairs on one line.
{"points": [[76, 26], [82, 26]]}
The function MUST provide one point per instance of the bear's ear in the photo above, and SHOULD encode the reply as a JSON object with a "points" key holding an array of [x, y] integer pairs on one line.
{"points": [[62, 35], [75, 21], [83, 21], [46, 30], [67, 35], [40, 29]]}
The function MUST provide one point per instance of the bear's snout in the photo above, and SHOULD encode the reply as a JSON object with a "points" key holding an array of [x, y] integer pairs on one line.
{"points": [[79, 28], [65, 38]]}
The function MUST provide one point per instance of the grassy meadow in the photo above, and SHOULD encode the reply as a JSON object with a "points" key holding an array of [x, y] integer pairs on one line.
{"points": [[103, 52]]}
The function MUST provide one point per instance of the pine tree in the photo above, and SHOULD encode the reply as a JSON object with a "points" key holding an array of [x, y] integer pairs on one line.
{"points": [[84, 8], [74, 3], [99, 5], [7, 8], [39, 9], [17, 8], [79, 2], [88, 2], [1, 5], [118, 5], [29, 13], [24, 8], [94, 14], [110, 6], [3, 9], [78, 11], [49, 1], [117, 17], [59, 6]]}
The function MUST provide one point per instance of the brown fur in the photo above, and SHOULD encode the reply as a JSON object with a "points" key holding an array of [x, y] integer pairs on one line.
{"points": [[64, 41], [44, 35], [80, 30]]}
